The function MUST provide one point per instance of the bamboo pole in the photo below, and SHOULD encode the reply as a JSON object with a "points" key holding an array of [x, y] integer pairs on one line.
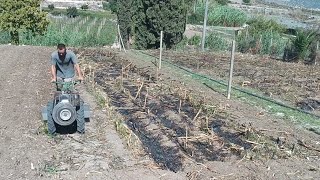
{"points": [[121, 41]]}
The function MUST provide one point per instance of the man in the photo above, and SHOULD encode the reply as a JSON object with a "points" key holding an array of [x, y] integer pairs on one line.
{"points": [[63, 65]]}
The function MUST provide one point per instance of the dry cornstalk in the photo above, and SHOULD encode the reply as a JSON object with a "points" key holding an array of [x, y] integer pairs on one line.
{"points": [[195, 118], [287, 133], [145, 100], [199, 137], [301, 143], [139, 90], [186, 140], [180, 104], [127, 66], [121, 78]]}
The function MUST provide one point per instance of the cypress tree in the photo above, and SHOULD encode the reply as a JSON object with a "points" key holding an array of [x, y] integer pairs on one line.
{"points": [[152, 16], [123, 9]]}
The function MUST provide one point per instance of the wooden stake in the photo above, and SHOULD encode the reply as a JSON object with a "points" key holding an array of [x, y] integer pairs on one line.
{"points": [[161, 39], [317, 52], [231, 68], [204, 26]]}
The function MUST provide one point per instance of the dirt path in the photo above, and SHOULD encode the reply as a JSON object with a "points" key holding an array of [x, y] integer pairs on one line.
{"points": [[23, 91], [27, 152]]}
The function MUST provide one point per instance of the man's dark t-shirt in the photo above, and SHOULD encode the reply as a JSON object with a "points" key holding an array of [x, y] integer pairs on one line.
{"points": [[65, 69]]}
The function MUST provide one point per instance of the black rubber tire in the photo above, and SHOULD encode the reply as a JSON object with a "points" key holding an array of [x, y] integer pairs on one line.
{"points": [[50, 123], [80, 119]]}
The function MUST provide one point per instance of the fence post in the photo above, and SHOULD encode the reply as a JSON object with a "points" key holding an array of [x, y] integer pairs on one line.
{"points": [[231, 68], [204, 26], [161, 38], [317, 52]]}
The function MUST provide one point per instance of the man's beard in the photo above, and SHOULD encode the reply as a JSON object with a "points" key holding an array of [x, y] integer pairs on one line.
{"points": [[62, 56]]}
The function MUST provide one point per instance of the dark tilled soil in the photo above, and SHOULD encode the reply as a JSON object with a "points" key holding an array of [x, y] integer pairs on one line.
{"points": [[244, 142]]}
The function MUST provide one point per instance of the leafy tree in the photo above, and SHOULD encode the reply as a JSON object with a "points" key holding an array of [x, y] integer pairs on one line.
{"points": [[18, 16], [124, 10], [222, 2], [246, 1], [110, 5], [72, 12], [152, 16]]}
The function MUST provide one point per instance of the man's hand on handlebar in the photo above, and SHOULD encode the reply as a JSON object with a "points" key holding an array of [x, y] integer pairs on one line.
{"points": [[80, 78]]}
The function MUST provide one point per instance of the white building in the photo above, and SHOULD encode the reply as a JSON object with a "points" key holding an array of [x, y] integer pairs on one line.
{"points": [[93, 4]]}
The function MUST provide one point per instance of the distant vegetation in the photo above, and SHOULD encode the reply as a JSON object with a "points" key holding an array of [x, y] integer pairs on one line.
{"points": [[73, 26], [218, 15], [140, 27], [262, 36], [17, 17]]}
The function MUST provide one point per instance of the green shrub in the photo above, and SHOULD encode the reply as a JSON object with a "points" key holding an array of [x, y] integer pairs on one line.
{"points": [[218, 15], [51, 7], [302, 43], [260, 24], [266, 42], [72, 12], [246, 1], [195, 18], [84, 7], [222, 2], [195, 40], [182, 44], [226, 16], [216, 42], [4, 37]]}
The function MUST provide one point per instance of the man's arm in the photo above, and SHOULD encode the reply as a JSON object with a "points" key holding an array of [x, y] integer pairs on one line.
{"points": [[76, 65], [80, 76], [53, 73]]}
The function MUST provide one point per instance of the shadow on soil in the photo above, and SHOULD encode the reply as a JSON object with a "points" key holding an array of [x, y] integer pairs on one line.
{"points": [[71, 129]]}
